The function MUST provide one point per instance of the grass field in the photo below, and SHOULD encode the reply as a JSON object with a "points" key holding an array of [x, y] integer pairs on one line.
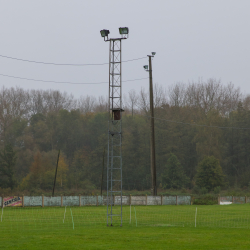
{"points": [[151, 227]]}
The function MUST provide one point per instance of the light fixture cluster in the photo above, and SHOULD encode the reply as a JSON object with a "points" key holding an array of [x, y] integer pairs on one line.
{"points": [[104, 33], [146, 66], [122, 30]]}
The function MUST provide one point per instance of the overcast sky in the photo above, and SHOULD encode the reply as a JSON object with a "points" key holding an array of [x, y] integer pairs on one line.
{"points": [[192, 39]]}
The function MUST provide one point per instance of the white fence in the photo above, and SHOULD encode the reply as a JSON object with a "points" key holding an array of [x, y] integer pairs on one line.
{"points": [[225, 200], [80, 200]]}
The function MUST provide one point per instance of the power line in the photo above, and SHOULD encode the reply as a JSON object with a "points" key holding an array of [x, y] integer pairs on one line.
{"points": [[195, 124], [199, 125], [40, 80], [65, 64]]}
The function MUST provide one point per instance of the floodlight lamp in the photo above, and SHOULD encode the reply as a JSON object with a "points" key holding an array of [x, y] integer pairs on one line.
{"points": [[104, 33], [123, 30], [153, 53], [145, 67]]}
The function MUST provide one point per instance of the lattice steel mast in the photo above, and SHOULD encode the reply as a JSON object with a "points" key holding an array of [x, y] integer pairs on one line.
{"points": [[114, 159]]}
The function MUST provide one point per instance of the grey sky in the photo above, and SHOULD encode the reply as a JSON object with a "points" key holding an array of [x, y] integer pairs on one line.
{"points": [[192, 38]]}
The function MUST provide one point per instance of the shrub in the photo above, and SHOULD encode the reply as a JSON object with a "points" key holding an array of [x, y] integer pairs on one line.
{"points": [[209, 174], [207, 199], [204, 190], [217, 190], [196, 190]]}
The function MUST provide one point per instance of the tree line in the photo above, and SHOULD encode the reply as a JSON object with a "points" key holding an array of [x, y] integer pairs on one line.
{"points": [[198, 124]]}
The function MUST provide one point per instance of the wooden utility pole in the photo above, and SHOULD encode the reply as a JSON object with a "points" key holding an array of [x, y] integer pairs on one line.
{"points": [[102, 169], [56, 172], [152, 128]]}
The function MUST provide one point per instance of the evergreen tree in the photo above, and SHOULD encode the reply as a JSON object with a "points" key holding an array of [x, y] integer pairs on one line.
{"points": [[174, 176], [209, 173], [7, 164]]}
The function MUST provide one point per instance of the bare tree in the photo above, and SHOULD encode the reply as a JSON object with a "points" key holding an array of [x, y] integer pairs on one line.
{"points": [[59, 101], [36, 102], [143, 101], [159, 96], [86, 104], [232, 97], [176, 94], [19, 102], [132, 100], [246, 102], [101, 105], [205, 95], [44, 101]]}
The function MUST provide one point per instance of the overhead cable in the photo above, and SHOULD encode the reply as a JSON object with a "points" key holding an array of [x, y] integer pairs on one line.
{"points": [[195, 124], [65, 64], [39, 80], [199, 125]]}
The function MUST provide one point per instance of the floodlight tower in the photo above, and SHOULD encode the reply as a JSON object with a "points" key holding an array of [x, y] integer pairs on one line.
{"points": [[114, 159]]}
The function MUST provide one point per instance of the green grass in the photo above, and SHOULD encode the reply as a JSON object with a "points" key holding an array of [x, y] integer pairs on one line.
{"points": [[158, 227]]}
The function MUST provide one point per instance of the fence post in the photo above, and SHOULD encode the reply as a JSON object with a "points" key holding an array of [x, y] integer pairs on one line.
{"points": [[218, 199], [22, 200], [161, 200], [42, 200], [96, 200], [61, 200], [176, 200], [79, 200], [146, 199]]}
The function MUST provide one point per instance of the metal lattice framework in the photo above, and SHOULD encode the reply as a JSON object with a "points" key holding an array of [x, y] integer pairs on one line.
{"points": [[114, 161]]}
